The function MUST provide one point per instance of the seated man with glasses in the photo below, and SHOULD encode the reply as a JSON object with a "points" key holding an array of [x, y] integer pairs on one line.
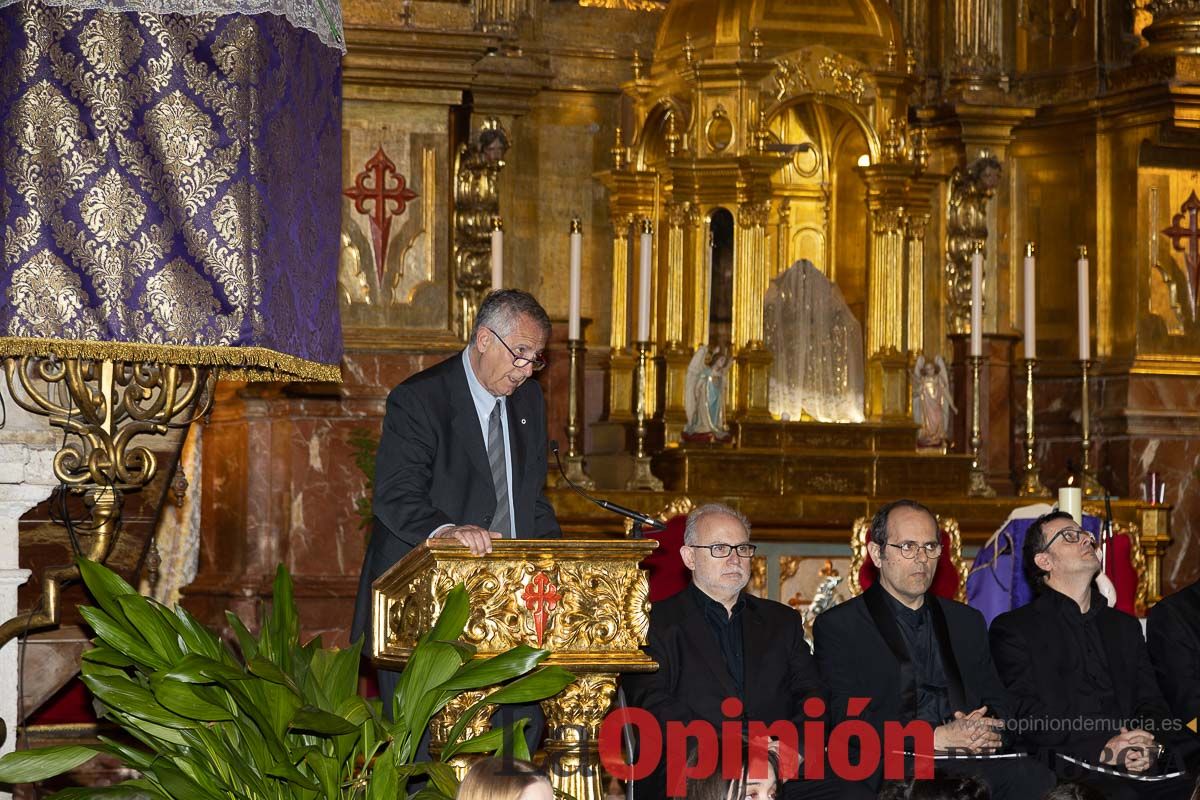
{"points": [[918, 658], [714, 641], [1080, 674]]}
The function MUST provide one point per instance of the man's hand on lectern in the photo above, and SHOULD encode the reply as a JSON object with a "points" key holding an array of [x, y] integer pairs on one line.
{"points": [[474, 537]]}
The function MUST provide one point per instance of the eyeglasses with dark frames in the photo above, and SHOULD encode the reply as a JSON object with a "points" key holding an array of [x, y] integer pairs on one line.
{"points": [[723, 550], [520, 361], [1070, 536], [910, 549]]}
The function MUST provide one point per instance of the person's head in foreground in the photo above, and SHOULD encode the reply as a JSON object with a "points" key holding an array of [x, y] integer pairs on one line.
{"points": [[905, 546], [1073, 791], [745, 787], [948, 787], [504, 779]]}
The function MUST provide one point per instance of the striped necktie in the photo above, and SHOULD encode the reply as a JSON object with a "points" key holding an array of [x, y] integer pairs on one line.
{"points": [[501, 522]]}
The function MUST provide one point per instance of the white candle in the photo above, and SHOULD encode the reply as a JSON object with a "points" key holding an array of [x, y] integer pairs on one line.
{"points": [[1070, 500], [1085, 323], [643, 329], [1030, 303], [576, 276], [497, 255], [977, 303]]}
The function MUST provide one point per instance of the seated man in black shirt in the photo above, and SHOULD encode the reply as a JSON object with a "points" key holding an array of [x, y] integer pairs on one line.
{"points": [[919, 657], [1173, 636], [1079, 672], [714, 641]]}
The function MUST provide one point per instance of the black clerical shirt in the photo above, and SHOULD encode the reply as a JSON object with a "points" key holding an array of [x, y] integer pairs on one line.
{"points": [[933, 694], [726, 625], [1090, 682]]}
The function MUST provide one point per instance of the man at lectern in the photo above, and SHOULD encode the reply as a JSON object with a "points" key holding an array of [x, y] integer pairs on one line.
{"points": [[463, 451]]}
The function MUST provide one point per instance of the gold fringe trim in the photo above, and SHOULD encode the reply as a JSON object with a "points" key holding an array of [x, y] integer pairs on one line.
{"points": [[231, 363]]}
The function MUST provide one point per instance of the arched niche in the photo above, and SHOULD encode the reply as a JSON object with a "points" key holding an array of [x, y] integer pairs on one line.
{"points": [[823, 191], [650, 147], [720, 277]]}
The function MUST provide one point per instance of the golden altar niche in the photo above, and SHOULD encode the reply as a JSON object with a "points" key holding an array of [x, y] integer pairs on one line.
{"points": [[585, 601], [807, 149]]}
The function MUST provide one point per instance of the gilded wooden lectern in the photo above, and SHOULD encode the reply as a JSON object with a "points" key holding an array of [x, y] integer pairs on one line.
{"points": [[583, 600]]}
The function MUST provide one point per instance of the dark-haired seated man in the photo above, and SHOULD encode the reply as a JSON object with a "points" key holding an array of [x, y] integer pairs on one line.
{"points": [[920, 658], [1080, 674]]}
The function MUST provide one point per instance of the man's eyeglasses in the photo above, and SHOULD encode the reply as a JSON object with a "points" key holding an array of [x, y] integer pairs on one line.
{"points": [[1071, 536], [520, 361], [910, 549], [724, 550]]}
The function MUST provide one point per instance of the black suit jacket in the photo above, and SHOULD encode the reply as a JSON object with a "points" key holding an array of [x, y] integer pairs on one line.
{"points": [[692, 678], [432, 469], [1173, 636], [1036, 654], [861, 653]]}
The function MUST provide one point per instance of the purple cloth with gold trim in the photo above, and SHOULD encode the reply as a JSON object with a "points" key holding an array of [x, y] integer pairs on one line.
{"points": [[170, 190]]}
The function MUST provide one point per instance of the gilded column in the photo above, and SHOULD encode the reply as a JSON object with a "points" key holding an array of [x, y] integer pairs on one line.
{"points": [[621, 360], [749, 285], [500, 16], [700, 290], [887, 389], [783, 238], [677, 214], [676, 355], [976, 41], [915, 226]]}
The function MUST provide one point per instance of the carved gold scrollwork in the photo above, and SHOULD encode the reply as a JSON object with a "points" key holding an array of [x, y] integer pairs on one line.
{"points": [[592, 601], [106, 405], [679, 214], [476, 206], [754, 214], [819, 70], [758, 576], [443, 722], [573, 728], [586, 702], [970, 191]]}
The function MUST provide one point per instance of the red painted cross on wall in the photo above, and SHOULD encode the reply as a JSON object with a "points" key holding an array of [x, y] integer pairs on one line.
{"points": [[540, 597], [1191, 234], [379, 168]]}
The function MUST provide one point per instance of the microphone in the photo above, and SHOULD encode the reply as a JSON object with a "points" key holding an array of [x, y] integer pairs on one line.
{"points": [[607, 505]]}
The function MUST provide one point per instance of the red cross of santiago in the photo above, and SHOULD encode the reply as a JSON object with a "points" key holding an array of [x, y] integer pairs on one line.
{"points": [[540, 597], [377, 192]]}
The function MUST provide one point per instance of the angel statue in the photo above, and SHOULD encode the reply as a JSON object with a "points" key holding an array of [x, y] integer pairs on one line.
{"points": [[932, 402], [704, 396]]}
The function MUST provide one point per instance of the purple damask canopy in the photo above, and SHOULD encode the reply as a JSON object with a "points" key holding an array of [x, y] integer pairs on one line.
{"points": [[170, 190]]}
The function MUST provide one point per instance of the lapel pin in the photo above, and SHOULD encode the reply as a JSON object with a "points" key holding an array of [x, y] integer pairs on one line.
{"points": [[522, 420]]}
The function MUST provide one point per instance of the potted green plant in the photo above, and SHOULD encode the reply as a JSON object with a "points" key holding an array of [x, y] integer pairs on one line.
{"points": [[277, 720]]}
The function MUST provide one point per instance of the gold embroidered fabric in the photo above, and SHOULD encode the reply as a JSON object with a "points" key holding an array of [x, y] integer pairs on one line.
{"points": [[166, 187]]}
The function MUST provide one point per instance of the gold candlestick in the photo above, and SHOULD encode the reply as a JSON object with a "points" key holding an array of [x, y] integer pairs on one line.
{"points": [[977, 485], [574, 460], [1031, 483], [1091, 486], [642, 477]]}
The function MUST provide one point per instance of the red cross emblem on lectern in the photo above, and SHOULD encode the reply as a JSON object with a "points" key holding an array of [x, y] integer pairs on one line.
{"points": [[540, 597], [1191, 234]]}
